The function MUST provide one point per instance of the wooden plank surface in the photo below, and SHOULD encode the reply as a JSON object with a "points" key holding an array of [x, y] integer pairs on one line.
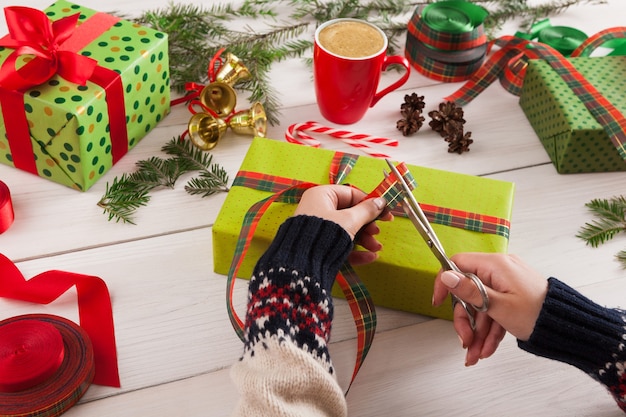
{"points": [[175, 343]]}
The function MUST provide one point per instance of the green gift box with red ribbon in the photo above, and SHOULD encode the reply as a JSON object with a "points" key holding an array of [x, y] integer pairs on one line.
{"points": [[468, 213], [78, 90], [572, 136]]}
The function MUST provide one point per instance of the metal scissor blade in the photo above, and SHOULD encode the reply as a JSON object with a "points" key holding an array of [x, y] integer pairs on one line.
{"points": [[415, 213]]}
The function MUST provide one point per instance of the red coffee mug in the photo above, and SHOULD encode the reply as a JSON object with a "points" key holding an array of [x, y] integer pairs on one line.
{"points": [[345, 86]]}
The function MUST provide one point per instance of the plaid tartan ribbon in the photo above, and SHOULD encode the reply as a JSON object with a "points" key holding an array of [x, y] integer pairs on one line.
{"points": [[515, 52], [441, 54], [289, 190]]}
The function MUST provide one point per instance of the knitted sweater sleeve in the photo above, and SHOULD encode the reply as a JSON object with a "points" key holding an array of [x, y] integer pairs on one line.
{"points": [[286, 369], [575, 330]]}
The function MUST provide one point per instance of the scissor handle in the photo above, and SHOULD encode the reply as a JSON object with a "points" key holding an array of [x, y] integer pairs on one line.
{"points": [[471, 309]]}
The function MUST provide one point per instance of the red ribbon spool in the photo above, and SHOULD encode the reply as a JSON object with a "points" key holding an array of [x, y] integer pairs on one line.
{"points": [[6, 208], [46, 365]]}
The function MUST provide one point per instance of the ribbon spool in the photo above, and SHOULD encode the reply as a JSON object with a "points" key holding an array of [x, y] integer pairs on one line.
{"points": [[446, 40], [46, 365], [205, 130], [6, 208]]}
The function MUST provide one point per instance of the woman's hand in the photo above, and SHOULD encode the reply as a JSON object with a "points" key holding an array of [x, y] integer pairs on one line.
{"points": [[516, 294], [346, 206]]}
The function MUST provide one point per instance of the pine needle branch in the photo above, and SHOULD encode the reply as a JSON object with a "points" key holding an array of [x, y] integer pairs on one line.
{"points": [[196, 33], [122, 198], [187, 155], [210, 182], [610, 220], [131, 191]]}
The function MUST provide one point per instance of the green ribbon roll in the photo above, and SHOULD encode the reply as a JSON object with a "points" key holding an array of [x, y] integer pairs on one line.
{"points": [[454, 16]]}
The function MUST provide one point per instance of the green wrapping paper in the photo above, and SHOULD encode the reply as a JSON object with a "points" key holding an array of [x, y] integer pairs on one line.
{"points": [[69, 124], [572, 137], [402, 278]]}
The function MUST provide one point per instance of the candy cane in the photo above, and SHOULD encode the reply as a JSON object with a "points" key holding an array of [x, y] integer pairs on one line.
{"points": [[295, 134]]}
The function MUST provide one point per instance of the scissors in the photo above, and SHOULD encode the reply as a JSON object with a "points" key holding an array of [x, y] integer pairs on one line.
{"points": [[418, 218]]}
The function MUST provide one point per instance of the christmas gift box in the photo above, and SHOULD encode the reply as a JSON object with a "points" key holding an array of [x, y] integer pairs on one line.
{"points": [[574, 139], [78, 89], [466, 209]]}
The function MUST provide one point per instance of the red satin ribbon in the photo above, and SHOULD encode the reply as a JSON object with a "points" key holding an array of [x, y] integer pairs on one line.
{"points": [[31, 351], [94, 309], [6, 208], [54, 48], [35, 338]]}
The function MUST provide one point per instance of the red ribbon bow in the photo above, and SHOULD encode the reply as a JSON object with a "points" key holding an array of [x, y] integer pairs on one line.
{"points": [[31, 32]]}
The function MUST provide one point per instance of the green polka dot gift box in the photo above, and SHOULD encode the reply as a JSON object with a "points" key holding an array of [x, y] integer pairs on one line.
{"points": [[468, 213], [78, 90], [573, 138]]}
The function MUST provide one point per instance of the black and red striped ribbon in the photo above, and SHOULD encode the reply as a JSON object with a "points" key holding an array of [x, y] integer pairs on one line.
{"points": [[517, 51]]}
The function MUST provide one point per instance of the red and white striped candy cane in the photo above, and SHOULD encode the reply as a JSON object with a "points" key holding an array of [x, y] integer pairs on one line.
{"points": [[295, 134]]}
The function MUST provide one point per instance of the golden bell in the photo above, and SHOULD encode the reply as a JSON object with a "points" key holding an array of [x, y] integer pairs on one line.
{"points": [[219, 97], [232, 70], [252, 121], [205, 130]]}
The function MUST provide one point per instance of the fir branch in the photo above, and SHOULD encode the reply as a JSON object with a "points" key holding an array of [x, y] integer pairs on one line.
{"points": [[129, 192], [122, 198], [502, 11], [156, 172], [187, 155], [196, 33], [610, 220], [210, 182]]}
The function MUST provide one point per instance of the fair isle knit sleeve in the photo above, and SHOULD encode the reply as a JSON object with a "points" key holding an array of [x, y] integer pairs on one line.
{"points": [[286, 369], [575, 330]]}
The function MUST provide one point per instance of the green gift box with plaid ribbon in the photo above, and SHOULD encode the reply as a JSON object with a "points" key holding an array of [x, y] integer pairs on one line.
{"points": [[73, 132], [402, 278], [571, 135]]}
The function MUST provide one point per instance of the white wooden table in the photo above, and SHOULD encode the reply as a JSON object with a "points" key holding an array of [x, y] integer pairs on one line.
{"points": [[175, 342]]}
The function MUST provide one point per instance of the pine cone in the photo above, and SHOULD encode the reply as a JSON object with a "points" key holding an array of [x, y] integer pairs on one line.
{"points": [[459, 143], [412, 103], [448, 112], [411, 123], [452, 129]]}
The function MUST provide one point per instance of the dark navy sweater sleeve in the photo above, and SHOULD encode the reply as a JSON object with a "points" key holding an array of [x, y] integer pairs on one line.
{"points": [[573, 329], [289, 297]]}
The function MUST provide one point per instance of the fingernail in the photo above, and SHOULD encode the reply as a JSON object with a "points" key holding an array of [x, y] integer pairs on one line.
{"points": [[461, 340], [380, 203], [450, 279]]}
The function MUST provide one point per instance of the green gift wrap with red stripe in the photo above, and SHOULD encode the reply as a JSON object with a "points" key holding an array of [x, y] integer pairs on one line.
{"points": [[570, 133], [468, 213], [101, 84]]}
